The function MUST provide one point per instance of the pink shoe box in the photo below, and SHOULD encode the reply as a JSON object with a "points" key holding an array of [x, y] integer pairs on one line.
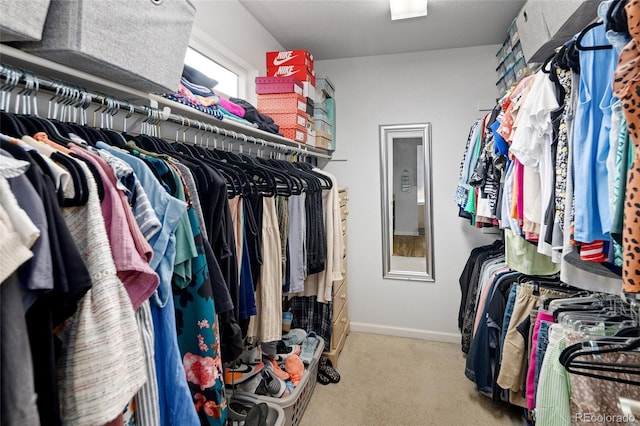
{"points": [[270, 85]]}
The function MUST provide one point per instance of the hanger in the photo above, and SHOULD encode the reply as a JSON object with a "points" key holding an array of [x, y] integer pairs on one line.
{"points": [[594, 366], [617, 17], [546, 65], [589, 27]]}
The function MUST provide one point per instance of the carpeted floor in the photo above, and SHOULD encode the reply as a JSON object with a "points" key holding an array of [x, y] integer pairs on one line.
{"points": [[397, 381]]}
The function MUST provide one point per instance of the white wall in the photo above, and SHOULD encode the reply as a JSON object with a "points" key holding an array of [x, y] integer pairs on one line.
{"points": [[446, 88], [228, 29]]}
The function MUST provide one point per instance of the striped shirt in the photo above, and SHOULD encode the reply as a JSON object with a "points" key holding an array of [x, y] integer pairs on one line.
{"points": [[552, 398]]}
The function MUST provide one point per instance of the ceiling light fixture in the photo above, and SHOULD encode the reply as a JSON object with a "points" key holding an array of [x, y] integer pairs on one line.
{"points": [[405, 9]]}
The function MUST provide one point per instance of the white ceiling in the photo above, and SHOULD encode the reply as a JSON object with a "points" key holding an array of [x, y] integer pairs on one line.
{"points": [[352, 28]]}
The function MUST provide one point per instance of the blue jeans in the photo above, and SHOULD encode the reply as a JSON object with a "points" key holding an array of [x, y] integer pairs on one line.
{"points": [[511, 301], [541, 348]]}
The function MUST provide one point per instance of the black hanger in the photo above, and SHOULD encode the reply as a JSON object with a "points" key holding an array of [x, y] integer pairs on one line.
{"points": [[590, 367], [617, 17], [589, 27], [546, 65]]}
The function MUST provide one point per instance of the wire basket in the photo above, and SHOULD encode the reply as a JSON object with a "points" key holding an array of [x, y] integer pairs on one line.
{"points": [[295, 404]]}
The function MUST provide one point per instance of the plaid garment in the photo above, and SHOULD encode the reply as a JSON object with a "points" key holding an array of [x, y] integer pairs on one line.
{"points": [[310, 315]]}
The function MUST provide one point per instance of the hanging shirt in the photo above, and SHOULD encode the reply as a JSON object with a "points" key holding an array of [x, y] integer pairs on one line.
{"points": [[591, 138]]}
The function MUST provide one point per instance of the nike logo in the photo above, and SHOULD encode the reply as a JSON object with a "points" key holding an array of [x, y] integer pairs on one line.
{"points": [[281, 59], [286, 71]]}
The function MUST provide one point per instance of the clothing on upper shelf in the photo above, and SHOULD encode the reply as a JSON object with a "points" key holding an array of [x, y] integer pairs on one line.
{"points": [[561, 142]]}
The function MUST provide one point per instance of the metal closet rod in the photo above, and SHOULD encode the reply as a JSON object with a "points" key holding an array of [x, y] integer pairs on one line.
{"points": [[80, 97]]}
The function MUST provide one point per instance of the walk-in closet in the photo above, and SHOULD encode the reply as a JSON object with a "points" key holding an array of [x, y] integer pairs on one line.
{"points": [[319, 213]]}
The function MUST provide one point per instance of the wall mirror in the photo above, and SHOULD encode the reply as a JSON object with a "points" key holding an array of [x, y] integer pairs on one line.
{"points": [[407, 234]]}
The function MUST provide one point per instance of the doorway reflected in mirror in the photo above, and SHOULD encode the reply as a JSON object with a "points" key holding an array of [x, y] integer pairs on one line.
{"points": [[406, 205]]}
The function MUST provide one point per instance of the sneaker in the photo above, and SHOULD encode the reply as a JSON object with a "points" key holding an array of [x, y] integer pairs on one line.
{"points": [[283, 351], [271, 364], [240, 373], [251, 355], [266, 383], [294, 337], [309, 348]]}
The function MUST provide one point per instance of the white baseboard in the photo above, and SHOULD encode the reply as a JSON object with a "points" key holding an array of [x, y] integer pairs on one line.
{"points": [[413, 333]]}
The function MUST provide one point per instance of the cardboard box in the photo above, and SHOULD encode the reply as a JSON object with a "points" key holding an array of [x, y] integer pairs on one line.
{"points": [[290, 57], [270, 85], [300, 72], [298, 134], [323, 140], [282, 103], [310, 106], [309, 90], [311, 137], [295, 119]]}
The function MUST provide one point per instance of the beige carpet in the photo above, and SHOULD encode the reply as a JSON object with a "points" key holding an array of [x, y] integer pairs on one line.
{"points": [[397, 381]]}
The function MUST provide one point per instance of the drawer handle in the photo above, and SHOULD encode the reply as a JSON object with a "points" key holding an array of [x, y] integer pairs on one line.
{"points": [[344, 320], [344, 272], [343, 297]]}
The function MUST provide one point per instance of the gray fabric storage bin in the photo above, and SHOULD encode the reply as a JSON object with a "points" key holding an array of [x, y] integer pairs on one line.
{"points": [[22, 20], [138, 43]]}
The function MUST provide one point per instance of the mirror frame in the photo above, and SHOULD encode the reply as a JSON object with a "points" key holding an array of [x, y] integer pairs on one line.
{"points": [[387, 135]]}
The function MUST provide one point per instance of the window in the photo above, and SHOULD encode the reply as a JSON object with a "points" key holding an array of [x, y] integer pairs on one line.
{"points": [[227, 79]]}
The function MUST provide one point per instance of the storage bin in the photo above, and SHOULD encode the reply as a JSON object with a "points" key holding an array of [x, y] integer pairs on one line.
{"points": [[519, 69], [322, 125], [290, 119], [138, 43], [532, 29], [320, 111], [509, 78], [331, 113], [22, 20], [509, 61], [276, 416], [295, 404], [271, 85], [325, 85], [282, 103], [514, 37]]}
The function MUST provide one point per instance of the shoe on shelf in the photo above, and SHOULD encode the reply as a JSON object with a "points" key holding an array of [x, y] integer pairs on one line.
{"points": [[295, 336], [240, 373], [284, 351], [271, 364], [325, 367]]}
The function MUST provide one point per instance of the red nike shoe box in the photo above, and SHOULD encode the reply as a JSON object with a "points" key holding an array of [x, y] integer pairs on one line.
{"points": [[301, 72], [290, 57]]}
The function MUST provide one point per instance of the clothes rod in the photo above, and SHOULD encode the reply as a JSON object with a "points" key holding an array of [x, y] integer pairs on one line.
{"points": [[74, 95]]}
